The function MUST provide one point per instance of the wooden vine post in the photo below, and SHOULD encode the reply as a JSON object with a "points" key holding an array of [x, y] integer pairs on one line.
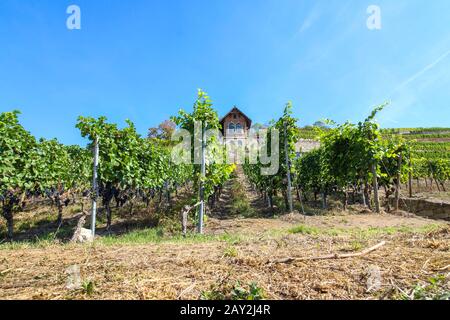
{"points": [[184, 217]]}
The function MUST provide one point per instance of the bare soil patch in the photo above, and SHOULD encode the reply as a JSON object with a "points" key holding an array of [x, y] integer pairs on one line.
{"points": [[236, 250], [185, 270]]}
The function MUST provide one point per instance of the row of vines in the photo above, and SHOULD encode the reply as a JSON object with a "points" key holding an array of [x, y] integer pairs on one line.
{"points": [[431, 163], [130, 166], [353, 163]]}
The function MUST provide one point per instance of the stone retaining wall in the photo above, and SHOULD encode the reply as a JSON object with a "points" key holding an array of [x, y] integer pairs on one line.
{"points": [[430, 208]]}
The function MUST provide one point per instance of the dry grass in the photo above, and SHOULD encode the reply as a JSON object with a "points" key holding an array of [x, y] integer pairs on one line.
{"points": [[239, 250], [146, 258]]}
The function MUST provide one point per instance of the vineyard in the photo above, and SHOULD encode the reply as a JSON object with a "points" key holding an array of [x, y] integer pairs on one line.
{"points": [[167, 229]]}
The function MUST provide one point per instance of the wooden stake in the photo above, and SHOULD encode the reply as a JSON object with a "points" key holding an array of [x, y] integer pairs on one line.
{"points": [[332, 256], [184, 217]]}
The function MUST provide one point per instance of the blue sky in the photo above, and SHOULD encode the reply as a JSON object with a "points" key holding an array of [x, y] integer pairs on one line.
{"points": [[144, 60]]}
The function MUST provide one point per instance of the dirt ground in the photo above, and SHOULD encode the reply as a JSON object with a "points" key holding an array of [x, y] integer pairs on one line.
{"points": [[413, 263], [184, 270]]}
